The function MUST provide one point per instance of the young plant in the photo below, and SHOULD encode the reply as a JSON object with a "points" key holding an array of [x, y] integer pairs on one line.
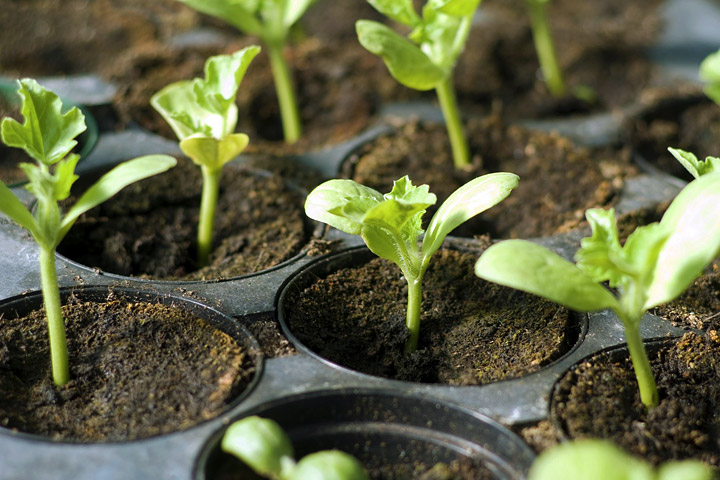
{"points": [[656, 264], [203, 115], [263, 445], [390, 224], [710, 74], [592, 459], [271, 21], [47, 135], [542, 35], [426, 59]]}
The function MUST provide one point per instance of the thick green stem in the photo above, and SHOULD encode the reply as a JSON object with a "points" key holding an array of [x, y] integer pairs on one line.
{"points": [[53, 311], [208, 202], [545, 48], [413, 313], [641, 364], [285, 88], [448, 104]]}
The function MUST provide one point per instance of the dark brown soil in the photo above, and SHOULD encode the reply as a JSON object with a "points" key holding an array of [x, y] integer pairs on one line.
{"points": [[137, 370], [472, 332], [599, 398], [272, 342], [678, 118], [149, 229], [558, 180]]}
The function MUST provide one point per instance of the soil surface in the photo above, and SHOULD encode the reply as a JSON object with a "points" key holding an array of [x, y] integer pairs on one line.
{"points": [[137, 370], [149, 229], [600, 398], [558, 180], [473, 332], [680, 118]]}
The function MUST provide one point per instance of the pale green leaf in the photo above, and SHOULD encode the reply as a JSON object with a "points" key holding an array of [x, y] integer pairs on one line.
{"points": [[260, 443], [534, 269], [223, 75], [600, 254], [641, 251], [693, 165], [238, 13], [693, 219], [685, 470], [112, 182], [405, 61], [46, 134], [457, 8], [328, 465], [402, 11], [385, 245], [213, 153], [13, 208], [474, 197], [325, 204], [294, 10], [65, 177], [177, 104], [710, 74], [398, 216]]}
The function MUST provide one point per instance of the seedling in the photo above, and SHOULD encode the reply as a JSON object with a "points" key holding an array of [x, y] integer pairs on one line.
{"points": [[390, 224], [271, 21], [263, 445], [47, 135], [426, 59], [542, 36], [656, 264], [591, 459], [710, 74], [203, 115]]}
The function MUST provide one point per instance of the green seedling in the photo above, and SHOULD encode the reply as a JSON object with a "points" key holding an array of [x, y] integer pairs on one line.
{"points": [[271, 21], [710, 74], [426, 59], [542, 36], [48, 135], [263, 445], [203, 115], [656, 264], [602, 460], [390, 224]]}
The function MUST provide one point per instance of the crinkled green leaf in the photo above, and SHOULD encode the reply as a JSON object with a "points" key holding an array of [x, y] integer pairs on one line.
{"points": [[474, 197], [402, 11], [457, 8], [177, 104], [262, 444], [46, 134], [238, 13], [213, 153], [441, 37], [404, 190], [534, 269], [112, 182], [328, 465], [397, 216], [693, 165], [326, 202], [599, 254], [11, 206], [710, 74], [223, 75], [693, 219], [405, 61]]}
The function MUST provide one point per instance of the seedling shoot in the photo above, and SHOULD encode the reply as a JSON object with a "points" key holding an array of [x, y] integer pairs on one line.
{"points": [[390, 224], [545, 47], [48, 136]]}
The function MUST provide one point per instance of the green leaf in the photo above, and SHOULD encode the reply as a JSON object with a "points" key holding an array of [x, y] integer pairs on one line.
{"points": [[402, 11], [238, 13], [213, 153], [693, 219], [262, 444], [328, 465], [295, 9], [685, 470], [600, 254], [11, 206], [693, 165], [457, 8], [177, 104], [112, 182], [223, 75], [469, 200], [385, 245], [535, 269], [405, 61], [46, 134], [710, 74], [341, 204]]}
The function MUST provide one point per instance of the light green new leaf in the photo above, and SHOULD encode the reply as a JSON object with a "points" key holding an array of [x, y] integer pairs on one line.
{"points": [[694, 220], [405, 61], [600, 254], [534, 269], [112, 182], [402, 11], [46, 134], [328, 465], [238, 13], [294, 9], [474, 197], [693, 165], [177, 104], [327, 201], [223, 75], [262, 444], [11, 206], [213, 153], [457, 8], [710, 74], [685, 470], [384, 244], [399, 217]]}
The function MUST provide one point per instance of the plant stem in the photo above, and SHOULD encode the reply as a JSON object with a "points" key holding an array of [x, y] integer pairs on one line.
{"points": [[53, 311], [413, 313], [545, 48], [448, 104], [208, 202], [285, 89], [641, 364]]}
